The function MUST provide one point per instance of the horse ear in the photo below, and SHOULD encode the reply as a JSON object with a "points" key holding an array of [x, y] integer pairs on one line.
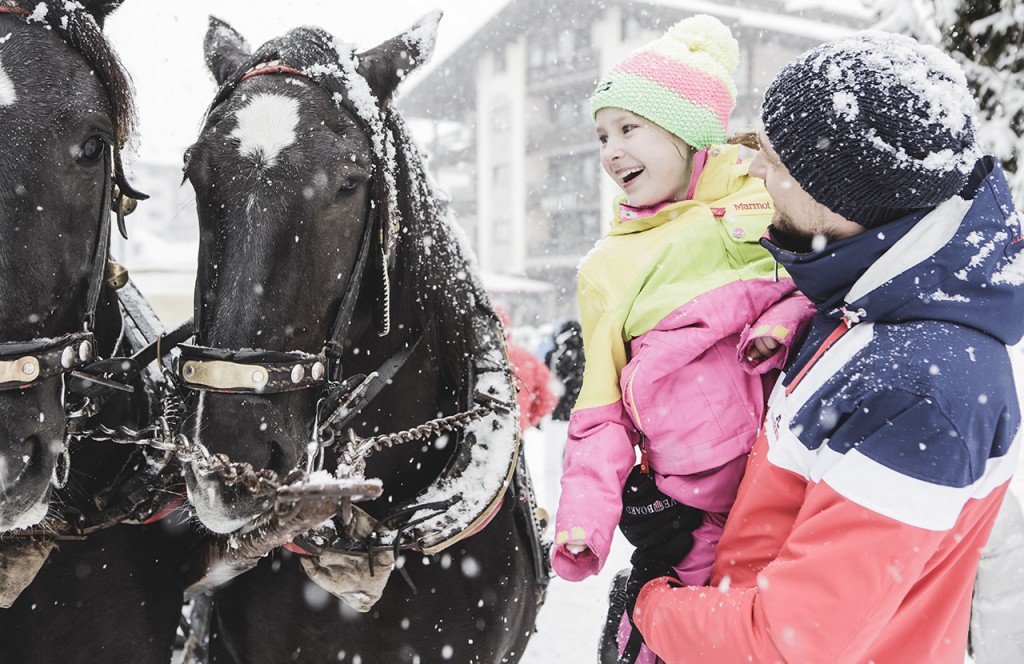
{"points": [[225, 50], [386, 65], [101, 9]]}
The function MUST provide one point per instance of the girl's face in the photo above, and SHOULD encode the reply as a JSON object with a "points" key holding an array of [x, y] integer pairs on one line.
{"points": [[651, 165]]}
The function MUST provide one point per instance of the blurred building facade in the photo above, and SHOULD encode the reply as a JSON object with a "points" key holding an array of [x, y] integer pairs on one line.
{"points": [[506, 125], [161, 250]]}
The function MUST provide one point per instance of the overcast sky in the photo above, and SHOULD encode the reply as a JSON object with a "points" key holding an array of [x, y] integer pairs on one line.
{"points": [[161, 45]]}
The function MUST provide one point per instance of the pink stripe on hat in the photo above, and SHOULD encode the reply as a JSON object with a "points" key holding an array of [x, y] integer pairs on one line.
{"points": [[698, 87]]}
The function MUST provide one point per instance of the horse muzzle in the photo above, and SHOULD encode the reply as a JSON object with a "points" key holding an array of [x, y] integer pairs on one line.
{"points": [[220, 507], [26, 469]]}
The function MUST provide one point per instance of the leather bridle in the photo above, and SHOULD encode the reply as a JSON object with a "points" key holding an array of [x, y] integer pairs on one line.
{"points": [[259, 371], [25, 364]]}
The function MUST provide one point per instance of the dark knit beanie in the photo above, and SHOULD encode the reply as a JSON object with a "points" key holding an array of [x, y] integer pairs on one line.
{"points": [[873, 126]]}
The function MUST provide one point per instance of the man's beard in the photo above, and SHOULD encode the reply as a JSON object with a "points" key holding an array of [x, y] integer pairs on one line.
{"points": [[791, 237]]}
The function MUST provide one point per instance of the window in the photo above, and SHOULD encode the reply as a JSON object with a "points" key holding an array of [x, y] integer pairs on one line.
{"points": [[500, 119], [629, 29], [498, 54], [566, 45], [502, 230]]}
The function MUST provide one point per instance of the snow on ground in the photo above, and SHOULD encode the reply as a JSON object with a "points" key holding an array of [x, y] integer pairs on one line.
{"points": [[569, 624]]}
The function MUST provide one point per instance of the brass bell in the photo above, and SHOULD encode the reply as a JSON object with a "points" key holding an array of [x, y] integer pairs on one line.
{"points": [[128, 204], [115, 275]]}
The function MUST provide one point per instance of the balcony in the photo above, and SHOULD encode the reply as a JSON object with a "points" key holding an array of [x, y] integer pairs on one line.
{"points": [[558, 74], [556, 136]]}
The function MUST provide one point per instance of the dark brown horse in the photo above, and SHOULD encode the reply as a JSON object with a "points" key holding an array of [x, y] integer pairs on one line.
{"points": [[340, 324], [108, 591]]}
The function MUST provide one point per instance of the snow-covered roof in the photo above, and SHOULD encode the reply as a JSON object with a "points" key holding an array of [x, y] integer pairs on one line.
{"points": [[855, 9], [771, 21]]}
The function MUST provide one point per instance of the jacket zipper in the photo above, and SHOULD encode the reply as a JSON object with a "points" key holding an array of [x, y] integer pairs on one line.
{"points": [[841, 329], [632, 401], [644, 466]]}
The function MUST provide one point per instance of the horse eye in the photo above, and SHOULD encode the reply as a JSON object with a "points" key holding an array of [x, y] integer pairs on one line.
{"points": [[93, 148], [349, 184]]}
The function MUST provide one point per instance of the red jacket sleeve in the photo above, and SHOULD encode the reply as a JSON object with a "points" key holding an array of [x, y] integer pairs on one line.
{"points": [[841, 574]]}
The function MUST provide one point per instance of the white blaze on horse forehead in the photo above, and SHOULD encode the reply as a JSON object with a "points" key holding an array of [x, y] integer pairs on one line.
{"points": [[7, 94], [266, 126]]}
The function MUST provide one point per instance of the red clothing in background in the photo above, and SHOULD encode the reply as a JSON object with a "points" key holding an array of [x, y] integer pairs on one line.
{"points": [[532, 380]]}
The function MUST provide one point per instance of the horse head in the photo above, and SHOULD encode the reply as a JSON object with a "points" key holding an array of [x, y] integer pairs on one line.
{"points": [[65, 111], [292, 202]]}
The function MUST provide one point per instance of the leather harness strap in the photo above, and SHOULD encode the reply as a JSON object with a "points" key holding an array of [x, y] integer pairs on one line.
{"points": [[7, 7]]}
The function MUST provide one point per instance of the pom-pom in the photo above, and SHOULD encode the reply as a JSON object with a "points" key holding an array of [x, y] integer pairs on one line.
{"points": [[706, 34]]}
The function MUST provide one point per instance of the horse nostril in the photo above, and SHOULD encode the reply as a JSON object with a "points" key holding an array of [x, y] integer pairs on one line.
{"points": [[277, 460], [22, 455]]}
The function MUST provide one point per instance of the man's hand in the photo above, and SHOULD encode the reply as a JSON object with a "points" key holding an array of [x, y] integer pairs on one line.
{"points": [[646, 567]]}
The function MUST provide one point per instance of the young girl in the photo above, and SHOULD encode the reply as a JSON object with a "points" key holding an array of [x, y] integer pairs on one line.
{"points": [[681, 308]]}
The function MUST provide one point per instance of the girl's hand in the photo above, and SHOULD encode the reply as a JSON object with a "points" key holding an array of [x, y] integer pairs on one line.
{"points": [[761, 348], [576, 548]]}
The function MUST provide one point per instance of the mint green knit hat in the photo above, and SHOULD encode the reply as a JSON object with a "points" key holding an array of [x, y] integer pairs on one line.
{"points": [[681, 81]]}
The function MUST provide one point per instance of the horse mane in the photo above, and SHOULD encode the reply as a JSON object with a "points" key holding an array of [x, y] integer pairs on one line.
{"points": [[439, 280], [79, 30], [433, 276]]}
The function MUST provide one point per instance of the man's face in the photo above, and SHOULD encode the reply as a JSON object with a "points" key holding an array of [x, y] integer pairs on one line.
{"points": [[797, 214]]}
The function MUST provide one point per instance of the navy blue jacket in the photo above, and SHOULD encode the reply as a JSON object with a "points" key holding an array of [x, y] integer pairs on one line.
{"points": [[943, 292], [885, 455]]}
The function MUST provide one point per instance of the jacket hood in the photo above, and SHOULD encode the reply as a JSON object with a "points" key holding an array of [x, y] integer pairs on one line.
{"points": [[960, 262]]}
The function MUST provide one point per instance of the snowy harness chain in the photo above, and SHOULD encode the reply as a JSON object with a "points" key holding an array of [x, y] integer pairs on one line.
{"points": [[358, 449]]}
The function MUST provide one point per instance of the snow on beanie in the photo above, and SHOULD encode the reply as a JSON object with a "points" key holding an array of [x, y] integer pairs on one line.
{"points": [[873, 126], [681, 81]]}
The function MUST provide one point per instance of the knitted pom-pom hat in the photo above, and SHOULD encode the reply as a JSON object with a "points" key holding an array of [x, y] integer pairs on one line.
{"points": [[681, 81], [873, 126]]}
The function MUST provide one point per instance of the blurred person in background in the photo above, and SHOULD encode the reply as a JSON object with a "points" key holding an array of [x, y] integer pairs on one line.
{"points": [[565, 360], [533, 380]]}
